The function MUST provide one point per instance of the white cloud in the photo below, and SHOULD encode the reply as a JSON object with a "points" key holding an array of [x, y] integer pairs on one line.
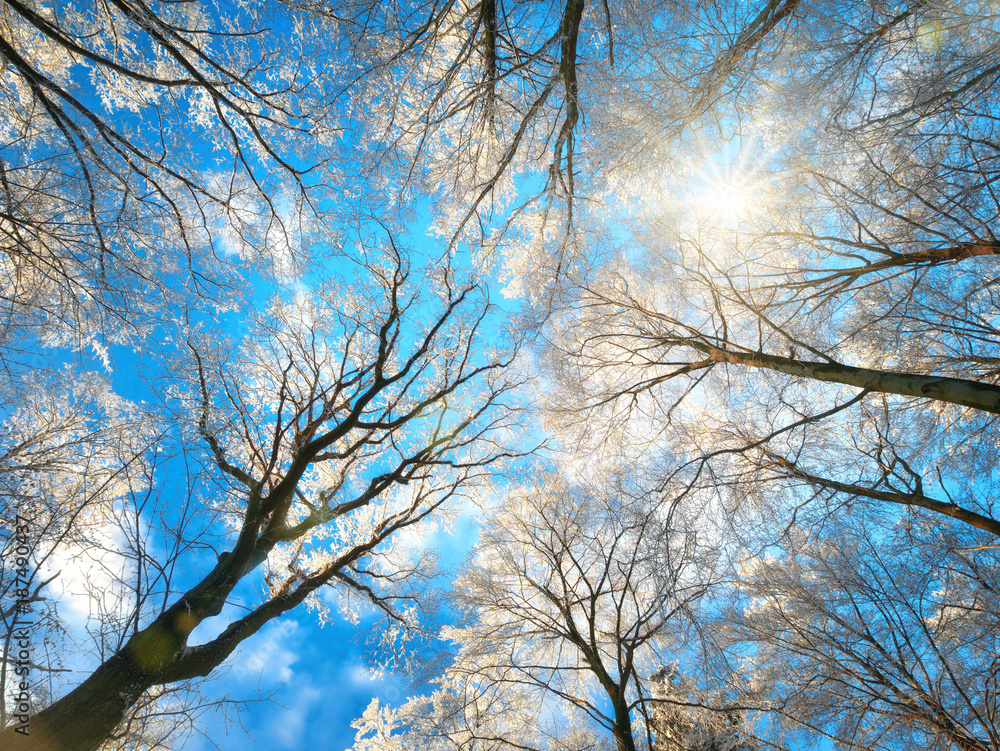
{"points": [[264, 659], [290, 729], [88, 578]]}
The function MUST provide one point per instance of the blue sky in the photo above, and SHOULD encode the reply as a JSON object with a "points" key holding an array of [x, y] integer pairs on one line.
{"points": [[320, 674], [315, 679]]}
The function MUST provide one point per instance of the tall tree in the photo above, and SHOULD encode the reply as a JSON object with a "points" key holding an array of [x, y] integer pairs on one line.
{"points": [[148, 151], [338, 422], [813, 323], [820, 317], [803, 324], [571, 599], [876, 638]]}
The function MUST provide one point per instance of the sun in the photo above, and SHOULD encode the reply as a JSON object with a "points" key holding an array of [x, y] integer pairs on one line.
{"points": [[724, 199], [725, 187]]}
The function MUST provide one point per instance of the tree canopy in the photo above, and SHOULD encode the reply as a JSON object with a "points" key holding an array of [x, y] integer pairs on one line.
{"points": [[748, 332]]}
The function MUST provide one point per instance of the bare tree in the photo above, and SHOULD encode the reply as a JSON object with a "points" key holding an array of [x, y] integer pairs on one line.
{"points": [[148, 149], [833, 333], [835, 343], [339, 422], [809, 334], [876, 638], [570, 600]]}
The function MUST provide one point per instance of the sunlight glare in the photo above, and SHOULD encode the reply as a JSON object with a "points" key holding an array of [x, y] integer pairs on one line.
{"points": [[723, 199], [725, 187]]}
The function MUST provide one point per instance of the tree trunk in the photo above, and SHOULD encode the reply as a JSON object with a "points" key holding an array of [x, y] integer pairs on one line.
{"points": [[85, 718], [960, 391], [622, 730]]}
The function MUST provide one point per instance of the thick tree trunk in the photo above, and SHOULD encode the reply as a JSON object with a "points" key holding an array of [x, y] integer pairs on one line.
{"points": [[87, 715], [965, 393], [84, 718], [622, 730]]}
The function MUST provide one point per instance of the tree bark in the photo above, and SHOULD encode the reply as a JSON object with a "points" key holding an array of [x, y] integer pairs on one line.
{"points": [[85, 718], [973, 518], [622, 730], [959, 391]]}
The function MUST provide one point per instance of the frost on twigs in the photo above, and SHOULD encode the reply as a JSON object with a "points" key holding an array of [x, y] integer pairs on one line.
{"points": [[877, 633], [139, 146], [340, 422], [569, 600]]}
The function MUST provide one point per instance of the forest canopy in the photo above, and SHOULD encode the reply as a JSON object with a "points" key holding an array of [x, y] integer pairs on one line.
{"points": [[689, 305]]}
